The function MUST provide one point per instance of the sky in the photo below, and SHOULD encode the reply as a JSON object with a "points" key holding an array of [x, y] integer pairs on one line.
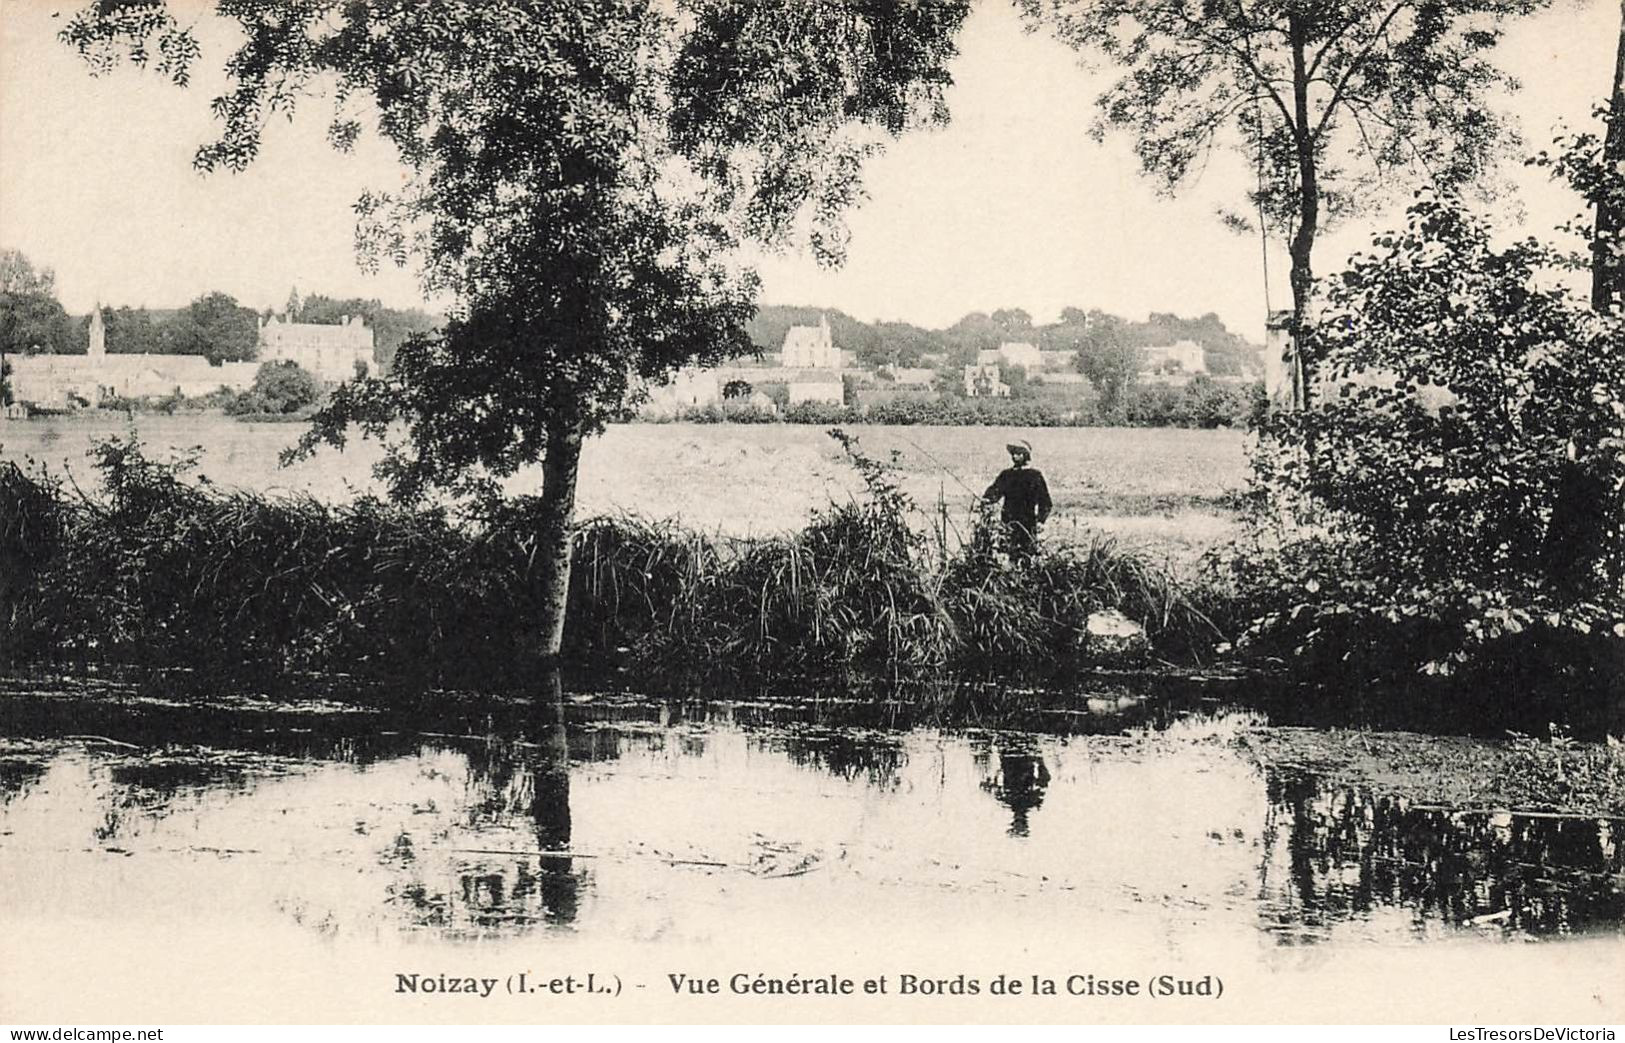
{"points": [[1012, 205]]}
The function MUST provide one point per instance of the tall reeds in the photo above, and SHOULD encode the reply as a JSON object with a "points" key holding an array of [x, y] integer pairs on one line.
{"points": [[158, 570]]}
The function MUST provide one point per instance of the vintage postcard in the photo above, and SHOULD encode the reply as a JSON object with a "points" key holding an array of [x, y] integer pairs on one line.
{"points": [[812, 512]]}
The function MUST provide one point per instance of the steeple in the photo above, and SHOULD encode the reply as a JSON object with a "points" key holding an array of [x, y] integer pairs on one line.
{"points": [[98, 333]]}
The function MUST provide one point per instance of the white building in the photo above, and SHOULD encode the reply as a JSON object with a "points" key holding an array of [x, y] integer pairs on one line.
{"points": [[984, 381], [1184, 356], [1020, 353], [333, 353], [71, 381], [828, 391], [54, 381], [810, 347], [688, 388]]}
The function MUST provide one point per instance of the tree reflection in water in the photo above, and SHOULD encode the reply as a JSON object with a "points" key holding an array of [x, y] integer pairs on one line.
{"points": [[17, 775], [873, 757], [346, 829], [1334, 854], [518, 799]]}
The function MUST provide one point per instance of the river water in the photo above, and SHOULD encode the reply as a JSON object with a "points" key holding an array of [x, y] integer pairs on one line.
{"points": [[640, 834]]}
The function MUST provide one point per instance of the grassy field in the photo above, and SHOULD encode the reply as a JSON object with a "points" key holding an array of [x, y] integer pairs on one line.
{"points": [[1160, 489]]}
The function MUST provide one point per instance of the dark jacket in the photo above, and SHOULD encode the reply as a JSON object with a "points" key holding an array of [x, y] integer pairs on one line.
{"points": [[1025, 495]]}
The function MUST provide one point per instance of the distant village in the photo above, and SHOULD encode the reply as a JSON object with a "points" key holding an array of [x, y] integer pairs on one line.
{"points": [[809, 370], [331, 352], [811, 367]]}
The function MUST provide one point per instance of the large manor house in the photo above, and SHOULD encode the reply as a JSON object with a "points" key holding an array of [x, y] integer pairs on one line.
{"points": [[331, 352]]}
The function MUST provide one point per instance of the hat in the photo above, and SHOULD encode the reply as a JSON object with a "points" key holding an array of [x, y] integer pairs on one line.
{"points": [[1020, 444]]}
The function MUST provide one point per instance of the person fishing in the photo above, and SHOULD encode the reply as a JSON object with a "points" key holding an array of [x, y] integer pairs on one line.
{"points": [[1025, 495]]}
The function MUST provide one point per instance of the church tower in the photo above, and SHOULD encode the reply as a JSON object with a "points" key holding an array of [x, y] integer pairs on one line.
{"points": [[97, 347]]}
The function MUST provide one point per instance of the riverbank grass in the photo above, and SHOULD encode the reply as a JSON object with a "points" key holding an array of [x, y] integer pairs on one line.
{"points": [[159, 570]]}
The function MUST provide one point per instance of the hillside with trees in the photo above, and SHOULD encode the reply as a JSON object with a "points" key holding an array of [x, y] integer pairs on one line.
{"points": [[1097, 336]]}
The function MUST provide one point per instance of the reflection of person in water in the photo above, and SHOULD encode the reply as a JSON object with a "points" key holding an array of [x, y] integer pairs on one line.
{"points": [[1022, 780], [1019, 783]]}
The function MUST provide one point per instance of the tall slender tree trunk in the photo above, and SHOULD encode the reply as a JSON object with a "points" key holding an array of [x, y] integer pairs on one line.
{"points": [[1303, 240], [560, 466], [1608, 244]]}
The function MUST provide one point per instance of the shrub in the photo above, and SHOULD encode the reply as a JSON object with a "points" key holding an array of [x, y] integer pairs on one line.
{"points": [[279, 387], [1455, 499], [1203, 402], [163, 572], [816, 413], [747, 412]]}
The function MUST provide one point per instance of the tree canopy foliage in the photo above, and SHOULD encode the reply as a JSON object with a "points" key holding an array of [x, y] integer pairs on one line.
{"points": [[31, 317], [1593, 164], [215, 326], [279, 387], [582, 177], [1328, 101]]}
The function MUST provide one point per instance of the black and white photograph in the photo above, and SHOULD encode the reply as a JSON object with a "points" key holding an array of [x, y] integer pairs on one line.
{"points": [[812, 512]]}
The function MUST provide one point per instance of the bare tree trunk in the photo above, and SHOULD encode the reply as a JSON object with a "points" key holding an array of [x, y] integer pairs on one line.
{"points": [[1303, 240], [1607, 245], [559, 469]]}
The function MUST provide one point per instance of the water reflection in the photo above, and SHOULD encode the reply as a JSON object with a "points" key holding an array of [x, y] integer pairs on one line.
{"points": [[1339, 854], [517, 787], [17, 774], [1019, 780], [853, 755], [656, 825]]}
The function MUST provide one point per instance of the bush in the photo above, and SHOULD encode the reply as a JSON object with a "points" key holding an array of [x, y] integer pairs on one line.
{"points": [[747, 412], [1454, 501], [1203, 402], [279, 387], [817, 413], [162, 572]]}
